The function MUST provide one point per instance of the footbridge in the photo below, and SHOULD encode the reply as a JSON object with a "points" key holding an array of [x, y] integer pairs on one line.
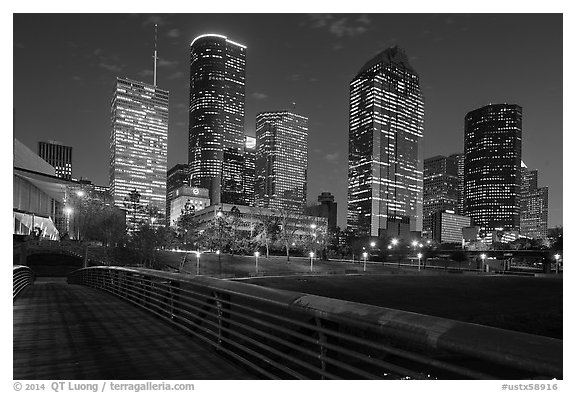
{"points": [[134, 323]]}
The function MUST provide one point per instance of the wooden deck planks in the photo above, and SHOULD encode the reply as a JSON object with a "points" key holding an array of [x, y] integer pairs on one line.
{"points": [[72, 332]]}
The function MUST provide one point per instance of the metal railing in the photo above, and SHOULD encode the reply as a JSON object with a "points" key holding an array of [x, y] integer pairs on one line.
{"points": [[22, 276], [288, 335]]}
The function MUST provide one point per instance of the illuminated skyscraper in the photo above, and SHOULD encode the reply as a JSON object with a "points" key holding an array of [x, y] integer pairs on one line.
{"points": [[492, 179], [533, 206], [385, 147], [216, 126], [57, 155], [249, 170], [176, 177], [281, 160], [139, 144], [440, 188]]}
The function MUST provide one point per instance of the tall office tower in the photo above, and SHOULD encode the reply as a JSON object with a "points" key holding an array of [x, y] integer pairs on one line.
{"points": [[139, 146], [249, 170], [533, 206], [216, 126], [385, 174], [440, 188], [176, 177], [492, 151], [281, 160], [459, 157], [57, 155]]}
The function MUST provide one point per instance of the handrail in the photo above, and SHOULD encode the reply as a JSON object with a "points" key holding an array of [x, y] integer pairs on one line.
{"points": [[22, 276], [285, 334]]}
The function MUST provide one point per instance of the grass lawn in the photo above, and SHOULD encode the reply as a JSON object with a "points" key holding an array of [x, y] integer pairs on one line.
{"points": [[527, 304]]}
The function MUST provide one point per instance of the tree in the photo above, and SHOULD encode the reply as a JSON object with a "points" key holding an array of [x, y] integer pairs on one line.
{"points": [[266, 230], [287, 224], [187, 226], [133, 205]]}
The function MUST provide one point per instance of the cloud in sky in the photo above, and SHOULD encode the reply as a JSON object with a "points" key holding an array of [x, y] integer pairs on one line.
{"points": [[173, 33], [111, 67], [167, 63], [175, 75], [332, 157], [145, 73], [340, 26], [259, 96]]}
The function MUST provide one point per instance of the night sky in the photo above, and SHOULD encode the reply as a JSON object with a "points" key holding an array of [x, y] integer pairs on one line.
{"points": [[65, 67]]}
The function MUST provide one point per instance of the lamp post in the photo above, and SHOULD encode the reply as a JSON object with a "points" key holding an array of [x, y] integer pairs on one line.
{"points": [[198, 262], [68, 210], [219, 216], [365, 255], [557, 258], [419, 258], [311, 261], [394, 243], [256, 254], [483, 257]]}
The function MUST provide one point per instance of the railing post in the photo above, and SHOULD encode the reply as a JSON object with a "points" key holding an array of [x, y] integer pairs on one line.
{"points": [[321, 341], [85, 262], [219, 315]]}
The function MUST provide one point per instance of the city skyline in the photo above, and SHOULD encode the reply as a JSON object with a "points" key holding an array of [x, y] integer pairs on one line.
{"points": [[316, 78]]}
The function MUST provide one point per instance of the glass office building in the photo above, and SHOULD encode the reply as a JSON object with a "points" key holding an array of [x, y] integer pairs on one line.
{"points": [[385, 172], [281, 160], [139, 145], [440, 188], [57, 155], [216, 124], [492, 157]]}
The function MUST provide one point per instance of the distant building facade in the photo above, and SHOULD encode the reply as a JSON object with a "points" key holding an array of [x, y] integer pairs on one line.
{"points": [[459, 157], [139, 145], [492, 179], [440, 188], [447, 227], [249, 170], [216, 122], [533, 206], [326, 208], [281, 160], [385, 163], [176, 177], [57, 155], [197, 198]]}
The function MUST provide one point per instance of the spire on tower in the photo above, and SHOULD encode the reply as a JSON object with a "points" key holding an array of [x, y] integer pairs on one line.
{"points": [[155, 50]]}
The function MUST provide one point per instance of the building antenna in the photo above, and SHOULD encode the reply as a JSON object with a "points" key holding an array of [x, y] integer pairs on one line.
{"points": [[155, 50]]}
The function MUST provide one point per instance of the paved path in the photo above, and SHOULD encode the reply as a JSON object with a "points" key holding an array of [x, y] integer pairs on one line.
{"points": [[64, 331]]}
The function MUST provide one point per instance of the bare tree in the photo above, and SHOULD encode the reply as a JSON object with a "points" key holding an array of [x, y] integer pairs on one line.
{"points": [[287, 221], [266, 228]]}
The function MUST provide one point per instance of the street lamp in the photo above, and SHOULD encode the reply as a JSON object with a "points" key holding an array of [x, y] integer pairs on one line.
{"points": [[256, 254], [419, 258], [68, 210], [311, 261], [483, 257], [365, 255], [372, 244], [557, 257], [80, 193], [197, 262], [394, 241]]}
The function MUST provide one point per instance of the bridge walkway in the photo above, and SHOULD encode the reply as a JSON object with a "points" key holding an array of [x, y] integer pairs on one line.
{"points": [[64, 331]]}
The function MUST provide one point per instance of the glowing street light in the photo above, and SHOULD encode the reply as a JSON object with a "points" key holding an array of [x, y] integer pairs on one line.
{"points": [[483, 257], [256, 254], [557, 257], [197, 262], [394, 241], [372, 244], [414, 243], [419, 259], [80, 193], [365, 255], [311, 261]]}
